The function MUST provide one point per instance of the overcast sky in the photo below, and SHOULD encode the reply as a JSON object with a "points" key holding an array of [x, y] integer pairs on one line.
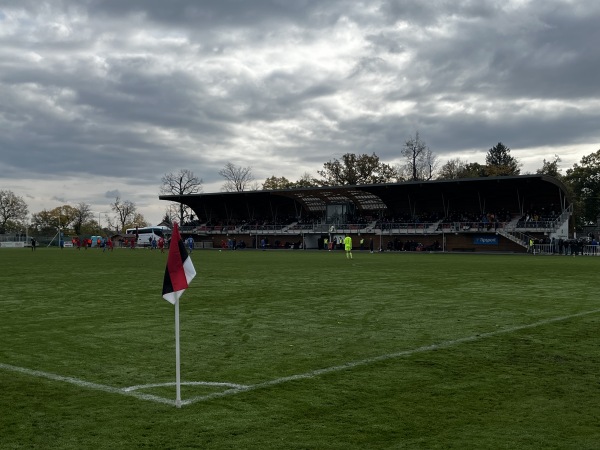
{"points": [[102, 98]]}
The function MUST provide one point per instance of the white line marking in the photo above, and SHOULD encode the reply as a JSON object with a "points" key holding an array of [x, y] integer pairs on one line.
{"points": [[375, 359], [239, 388], [85, 384], [185, 383]]}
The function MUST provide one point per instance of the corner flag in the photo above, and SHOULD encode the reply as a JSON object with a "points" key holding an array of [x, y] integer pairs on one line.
{"points": [[180, 271]]}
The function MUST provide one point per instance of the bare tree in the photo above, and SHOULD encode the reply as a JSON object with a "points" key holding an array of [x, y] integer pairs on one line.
{"points": [[183, 182], [82, 214], [306, 180], [237, 178], [420, 160], [171, 213], [125, 212]]}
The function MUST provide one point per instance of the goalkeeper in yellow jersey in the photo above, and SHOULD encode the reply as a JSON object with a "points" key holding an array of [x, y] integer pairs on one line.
{"points": [[348, 246]]}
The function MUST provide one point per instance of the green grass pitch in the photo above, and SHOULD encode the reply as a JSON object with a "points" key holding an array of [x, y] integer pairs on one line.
{"points": [[300, 349]]}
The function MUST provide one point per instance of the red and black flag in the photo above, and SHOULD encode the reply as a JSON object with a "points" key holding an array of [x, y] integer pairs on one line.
{"points": [[180, 271]]}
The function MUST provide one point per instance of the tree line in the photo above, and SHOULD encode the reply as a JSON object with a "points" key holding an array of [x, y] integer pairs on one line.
{"points": [[419, 163], [78, 219]]}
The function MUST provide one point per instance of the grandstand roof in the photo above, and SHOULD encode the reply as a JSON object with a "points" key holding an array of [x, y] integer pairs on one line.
{"points": [[515, 193]]}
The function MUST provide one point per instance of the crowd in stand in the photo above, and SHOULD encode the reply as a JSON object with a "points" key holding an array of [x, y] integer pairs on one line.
{"points": [[538, 218], [468, 220], [486, 217]]}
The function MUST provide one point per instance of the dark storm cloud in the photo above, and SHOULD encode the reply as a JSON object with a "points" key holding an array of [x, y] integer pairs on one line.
{"points": [[224, 13]]}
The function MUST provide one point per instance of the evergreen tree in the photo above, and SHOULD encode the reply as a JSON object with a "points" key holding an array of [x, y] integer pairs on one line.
{"points": [[499, 161]]}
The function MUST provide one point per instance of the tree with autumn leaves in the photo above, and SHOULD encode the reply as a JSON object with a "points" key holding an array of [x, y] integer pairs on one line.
{"points": [[584, 181]]}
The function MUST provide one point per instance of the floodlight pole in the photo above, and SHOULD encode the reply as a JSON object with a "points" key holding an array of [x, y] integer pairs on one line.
{"points": [[443, 240], [57, 233], [59, 211], [99, 223]]}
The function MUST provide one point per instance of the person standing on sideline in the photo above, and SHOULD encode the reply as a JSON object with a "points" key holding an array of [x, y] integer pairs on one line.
{"points": [[190, 243], [33, 244], [531, 248], [348, 246]]}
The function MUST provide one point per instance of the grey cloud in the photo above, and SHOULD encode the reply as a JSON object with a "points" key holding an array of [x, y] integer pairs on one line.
{"points": [[112, 194], [224, 13], [125, 91]]}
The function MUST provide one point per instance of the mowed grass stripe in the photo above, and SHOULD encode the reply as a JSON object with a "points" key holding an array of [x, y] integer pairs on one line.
{"points": [[236, 389], [279, 306], [376, 359]]}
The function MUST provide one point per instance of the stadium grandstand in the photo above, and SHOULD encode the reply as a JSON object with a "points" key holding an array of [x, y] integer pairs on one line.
{"points": [[492, 214]]}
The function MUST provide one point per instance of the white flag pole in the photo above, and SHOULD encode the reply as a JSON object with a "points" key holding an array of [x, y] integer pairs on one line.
{"points": [[177, 361]]}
